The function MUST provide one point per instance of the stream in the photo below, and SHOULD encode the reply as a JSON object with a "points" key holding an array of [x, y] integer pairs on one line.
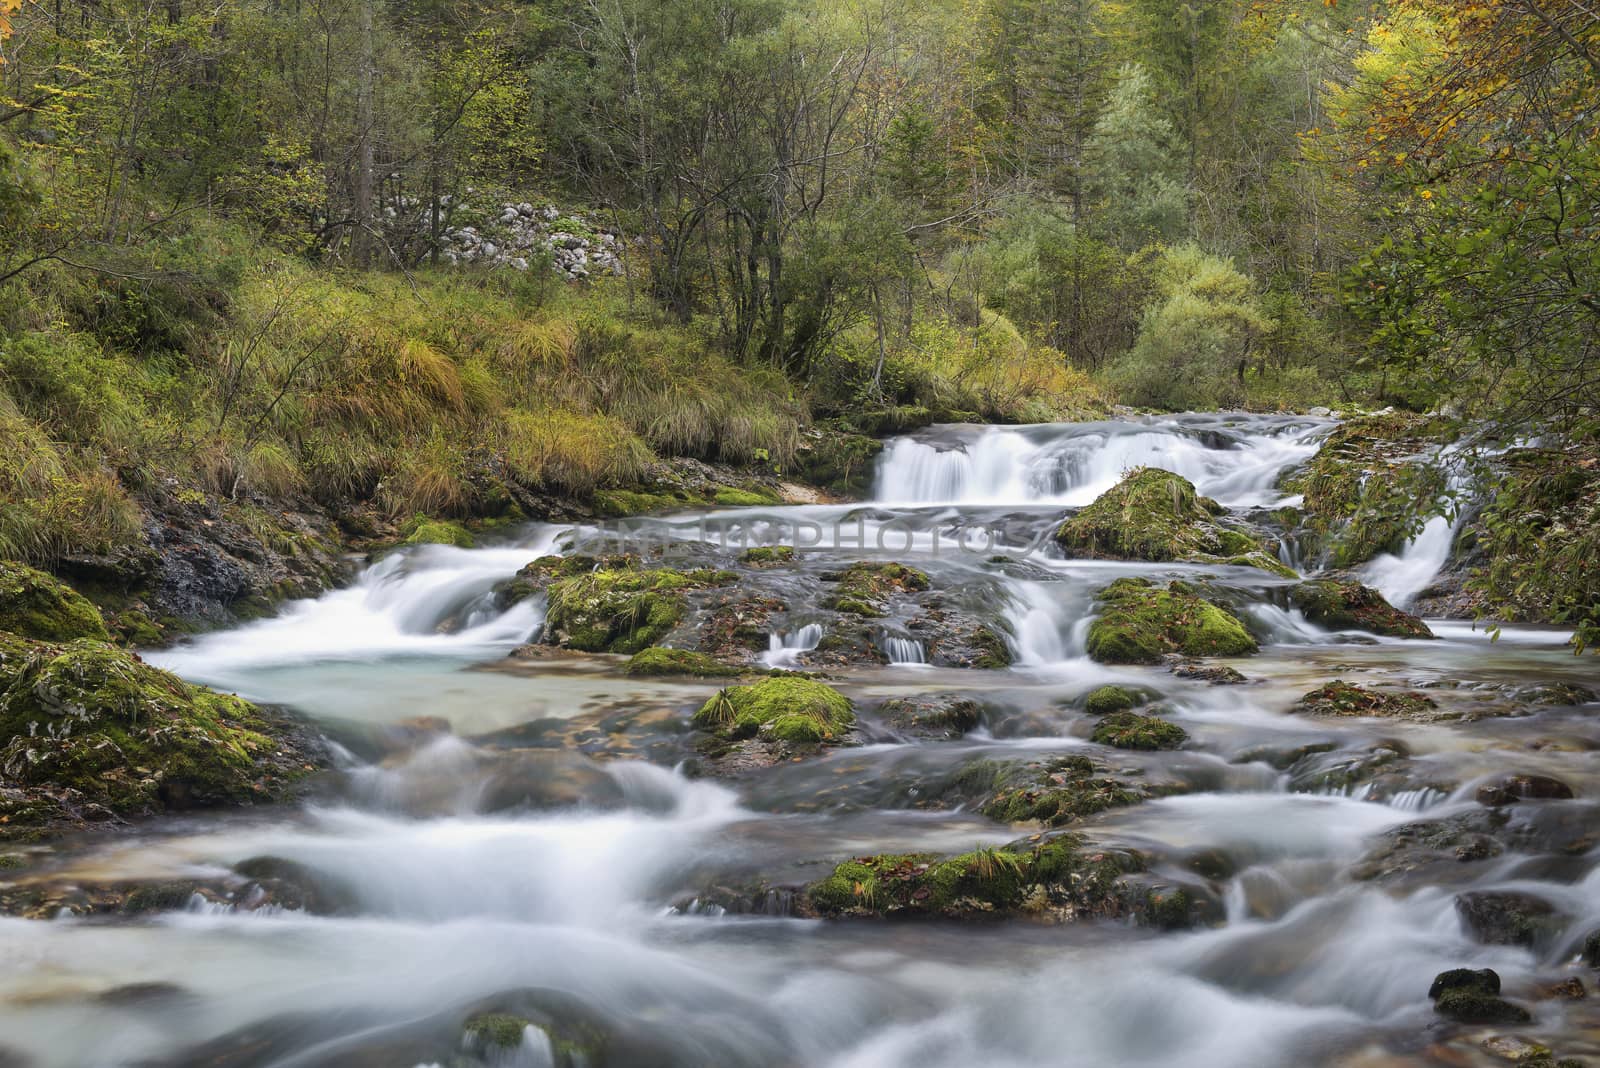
{"points": [[446, 898]]}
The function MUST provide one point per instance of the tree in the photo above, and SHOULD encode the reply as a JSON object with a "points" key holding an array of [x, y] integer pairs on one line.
{"points": [[1136, 163]]}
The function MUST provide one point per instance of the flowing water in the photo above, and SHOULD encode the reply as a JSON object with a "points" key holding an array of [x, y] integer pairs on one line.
{"points": [[443, 896]]}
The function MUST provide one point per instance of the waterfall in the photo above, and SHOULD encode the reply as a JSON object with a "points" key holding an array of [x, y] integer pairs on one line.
{"points": [[904, 650], [783, 650], [1071, 464]]}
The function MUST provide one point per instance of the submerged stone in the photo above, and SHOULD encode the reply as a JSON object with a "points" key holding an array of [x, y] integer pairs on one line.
{"points": [[1060, 791], [1509, 918], [1141, 623], [1340, 698], [1513, 788]]}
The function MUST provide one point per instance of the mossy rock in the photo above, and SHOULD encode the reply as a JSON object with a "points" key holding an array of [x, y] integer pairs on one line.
{"points": [[615, 504], [1340, 698], [744, 498], [658, 660], [1058, 792], [489, 1032], [1352, 606], [92, 718], [783, 708], [620, 610], [36, 605], [1058, 877], [1156, 515], [1109, 699], [944, 716], [1129, 730], [422, 531], [768, 555], [993, 652], [864, 588], [1141, 623], [1363, 486]]}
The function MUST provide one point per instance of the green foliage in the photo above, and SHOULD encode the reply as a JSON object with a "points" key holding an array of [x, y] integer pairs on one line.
{"points": [[1137, 165], [1195, 341]]}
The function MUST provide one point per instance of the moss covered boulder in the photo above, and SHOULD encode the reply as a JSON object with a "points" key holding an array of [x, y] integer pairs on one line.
{"points": [[1368, 487], [1472, 996], [864, 589], [1352, 606], [423, 531], [782, 709], [1130, 730], [768, 556], [1061, 879], [1340, 698], [90, 721], [1141, 623], [1058, 792], [1156, 515], [35, 605], [620, 610], [1109, 699], [657, 660]]}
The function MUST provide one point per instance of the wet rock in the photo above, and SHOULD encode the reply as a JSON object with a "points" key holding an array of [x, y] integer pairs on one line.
{"points": [[1591, 949], [1340, 698], [1556, 694], [792, 710], [1568, 989], [537, 779], [1508, 918], [864, 589], [1141, 623], [738, 624], [1216, 674], [768, 556], [1351, 606], [1157, 515], [1054, 792], [1477, 980], [833, 456], [1513, 788], [1430, 845], [933, 716], [1130, 730], [1471, 996]]}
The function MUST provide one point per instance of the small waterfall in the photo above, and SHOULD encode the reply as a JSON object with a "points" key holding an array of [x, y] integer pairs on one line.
{"points": [[1071, 464], [1400, 578], [783, 650], [429, 600], [1287, 626], [904, 650], [1041, 617]]}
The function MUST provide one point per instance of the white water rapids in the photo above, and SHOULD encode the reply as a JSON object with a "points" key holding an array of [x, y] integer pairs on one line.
{"points": [[503, 867]]}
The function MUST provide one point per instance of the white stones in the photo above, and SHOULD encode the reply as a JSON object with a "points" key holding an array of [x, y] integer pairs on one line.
{"points": [[520, 236]]}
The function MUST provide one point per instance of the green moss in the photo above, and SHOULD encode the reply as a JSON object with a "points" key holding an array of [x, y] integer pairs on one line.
{"points": [[1472, 1006], [784, 708], [1129, 730], [1156, 515], [35, 605], [854, 606], [658, 660], [989, 882], [90, 717], [1059, 792], [1108, 699], [1263, 561], [1140, 623], [620, 610], [768, 555], [744, 498], [490, 1031], [1340, 698], [1364, 492], [839, 460], [618, 503], [421, 531], [993, 653], [1350, 605]]}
